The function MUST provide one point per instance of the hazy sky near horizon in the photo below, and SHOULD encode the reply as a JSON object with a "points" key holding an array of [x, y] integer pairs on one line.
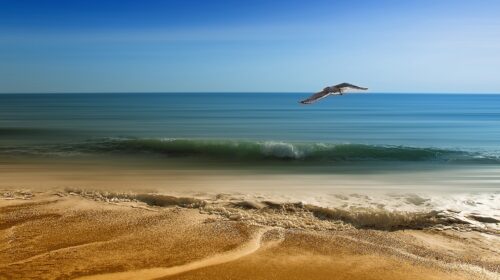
{"points": [[289, 46]]}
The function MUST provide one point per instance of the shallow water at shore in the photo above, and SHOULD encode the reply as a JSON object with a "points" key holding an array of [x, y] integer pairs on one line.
{"points": [[468, 194]]}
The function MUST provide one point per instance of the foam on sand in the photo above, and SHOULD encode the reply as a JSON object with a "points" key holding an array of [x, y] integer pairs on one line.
{"points": [[310, 216]]}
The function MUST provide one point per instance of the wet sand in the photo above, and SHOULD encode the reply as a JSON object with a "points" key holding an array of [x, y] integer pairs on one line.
{"points": [[63, 234], [97, 220]]}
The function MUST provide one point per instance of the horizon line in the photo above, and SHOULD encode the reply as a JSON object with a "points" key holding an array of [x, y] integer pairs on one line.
{"points": [[236, 92]]}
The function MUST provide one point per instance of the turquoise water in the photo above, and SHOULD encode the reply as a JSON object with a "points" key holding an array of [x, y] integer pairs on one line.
{"points": [[242, 126]]}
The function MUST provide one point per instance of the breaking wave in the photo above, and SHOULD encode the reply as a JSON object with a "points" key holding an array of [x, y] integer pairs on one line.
{"points": [[258, 150], [263, 150]]}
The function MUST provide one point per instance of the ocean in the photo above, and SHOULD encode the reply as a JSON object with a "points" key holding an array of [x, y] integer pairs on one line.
{"points": [[447, 128]]}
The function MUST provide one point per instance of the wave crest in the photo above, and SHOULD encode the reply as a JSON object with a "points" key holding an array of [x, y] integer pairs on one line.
{"points": [[258, 150], [261, 150], [281, 150]]}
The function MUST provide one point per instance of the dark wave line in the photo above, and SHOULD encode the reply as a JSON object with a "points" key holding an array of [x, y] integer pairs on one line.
{"points": [[260, 150]]}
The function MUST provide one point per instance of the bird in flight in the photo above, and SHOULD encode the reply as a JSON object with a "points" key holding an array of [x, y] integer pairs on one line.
{"points": [[333, 90]]}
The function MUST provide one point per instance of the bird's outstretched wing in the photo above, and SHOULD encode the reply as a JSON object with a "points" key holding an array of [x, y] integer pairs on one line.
{"points": [[333, 90], [345, 86], [315, 97]]}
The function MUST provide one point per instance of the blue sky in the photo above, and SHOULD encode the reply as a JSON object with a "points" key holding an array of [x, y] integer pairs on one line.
{"points": [[289, 46]]}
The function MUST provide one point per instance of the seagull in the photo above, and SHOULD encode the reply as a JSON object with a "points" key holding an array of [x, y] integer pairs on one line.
{"points": [[333, 90]]}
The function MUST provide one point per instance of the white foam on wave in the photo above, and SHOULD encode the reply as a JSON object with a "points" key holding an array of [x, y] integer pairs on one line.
{"points": [[281, 150]]}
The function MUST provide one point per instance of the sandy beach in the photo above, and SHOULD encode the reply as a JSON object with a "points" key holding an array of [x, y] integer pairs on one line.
{"points": [[88, 220], [79, 234]]}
